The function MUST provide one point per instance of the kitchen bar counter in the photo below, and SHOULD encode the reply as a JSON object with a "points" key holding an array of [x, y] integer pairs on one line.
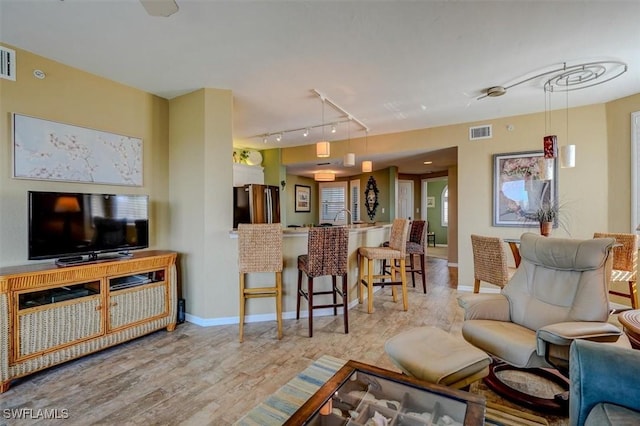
{"points": [[295, 244]]}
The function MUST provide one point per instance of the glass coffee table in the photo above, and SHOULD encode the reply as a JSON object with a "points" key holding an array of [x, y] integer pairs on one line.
{"points": [[361, 394]]}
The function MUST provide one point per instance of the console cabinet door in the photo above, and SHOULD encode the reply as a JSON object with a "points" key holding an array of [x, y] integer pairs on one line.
{"points": [[45, 328], [132, 306]]}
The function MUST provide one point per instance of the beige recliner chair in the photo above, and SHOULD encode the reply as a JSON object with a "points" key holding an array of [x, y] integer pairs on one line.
{"points": [[559, 293]]}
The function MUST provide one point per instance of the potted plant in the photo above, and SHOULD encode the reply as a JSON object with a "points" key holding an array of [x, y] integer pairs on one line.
{"points": [[546, 216]]}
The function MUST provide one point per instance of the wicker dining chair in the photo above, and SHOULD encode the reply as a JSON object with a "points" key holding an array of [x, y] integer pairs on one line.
{"points": [[260, 250], [625, 263], [415, 247], [327, 254], [489, 261], [397, 250]]}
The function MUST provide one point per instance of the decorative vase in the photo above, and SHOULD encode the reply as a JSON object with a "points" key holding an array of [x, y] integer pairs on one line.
{"points": [[545, 228]]}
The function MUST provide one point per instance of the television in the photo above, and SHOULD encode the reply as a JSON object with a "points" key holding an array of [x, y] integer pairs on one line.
{"points": [[70, 225]]}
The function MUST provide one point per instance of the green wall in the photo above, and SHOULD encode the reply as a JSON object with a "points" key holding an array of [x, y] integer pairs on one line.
{"points": [[299, 218], [434, 214]]}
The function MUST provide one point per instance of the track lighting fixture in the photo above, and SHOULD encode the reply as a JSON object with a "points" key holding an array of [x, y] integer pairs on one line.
{"points": [[279, 137], [306, 132], [350, 157], [367, 166], [323, 149], [333, 128]]}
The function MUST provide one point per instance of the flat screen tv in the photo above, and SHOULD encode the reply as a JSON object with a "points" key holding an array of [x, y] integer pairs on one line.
{"points": [[68, 225]]}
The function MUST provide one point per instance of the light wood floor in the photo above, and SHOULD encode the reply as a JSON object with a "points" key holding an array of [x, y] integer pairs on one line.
{"points": [[203, 376]]}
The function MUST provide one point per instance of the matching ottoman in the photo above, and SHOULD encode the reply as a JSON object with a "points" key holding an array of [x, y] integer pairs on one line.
{"points": [[435, 356]]}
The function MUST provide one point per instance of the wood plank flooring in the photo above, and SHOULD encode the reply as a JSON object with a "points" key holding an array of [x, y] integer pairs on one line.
{"points": [[204, 376]]}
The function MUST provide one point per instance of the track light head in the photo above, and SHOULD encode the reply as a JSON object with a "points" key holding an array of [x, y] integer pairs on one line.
{"points": [[306, 132], [333, 128], [279, 137]]}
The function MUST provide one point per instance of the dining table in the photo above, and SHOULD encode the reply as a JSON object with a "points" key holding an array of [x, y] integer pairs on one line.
{"points": [[514, 245]]}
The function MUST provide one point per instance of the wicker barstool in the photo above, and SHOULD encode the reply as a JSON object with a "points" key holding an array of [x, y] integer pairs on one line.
{"points": [[489, 262], [625, 263], [415, 247], [397, 250], [260, 250], [327, 254]]}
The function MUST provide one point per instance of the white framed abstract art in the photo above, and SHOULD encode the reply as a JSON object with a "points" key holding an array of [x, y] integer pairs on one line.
{"points": [[48, 150]]}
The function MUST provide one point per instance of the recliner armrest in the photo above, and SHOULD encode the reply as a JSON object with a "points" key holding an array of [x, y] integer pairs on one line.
{"points": [[602, 373], [485, 306], [563, 333]]}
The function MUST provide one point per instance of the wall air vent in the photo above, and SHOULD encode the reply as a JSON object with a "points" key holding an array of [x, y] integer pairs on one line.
{"points": [[480, 132], [7, 63]]}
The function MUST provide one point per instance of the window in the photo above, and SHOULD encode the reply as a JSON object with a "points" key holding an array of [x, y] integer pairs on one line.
{"points": [[333, 202], [355, 199], [444, 218]]}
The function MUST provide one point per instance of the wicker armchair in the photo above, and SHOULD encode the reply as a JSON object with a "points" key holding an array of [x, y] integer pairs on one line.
{"points": [[489, 262], [625, 263], [260, 250], [397, 250], [326, 255]]}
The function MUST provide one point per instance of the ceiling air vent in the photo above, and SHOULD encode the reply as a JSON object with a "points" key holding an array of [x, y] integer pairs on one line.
{"points": [[480, 132], [7, 63]]}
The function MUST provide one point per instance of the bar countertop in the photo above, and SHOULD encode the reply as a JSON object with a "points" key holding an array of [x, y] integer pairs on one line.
{"points": [[304, 230]]}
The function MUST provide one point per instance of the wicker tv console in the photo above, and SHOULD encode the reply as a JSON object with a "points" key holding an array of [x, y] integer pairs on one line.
{"points": [[50, 315]]}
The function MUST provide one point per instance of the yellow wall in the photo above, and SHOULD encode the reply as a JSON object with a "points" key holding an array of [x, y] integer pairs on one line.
{"points": [[75, 97], [189, 179], [619, 165], [202, 200], [582, 190]]}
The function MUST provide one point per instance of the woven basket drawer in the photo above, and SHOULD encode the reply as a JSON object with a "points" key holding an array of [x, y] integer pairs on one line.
{"points": [[44, 329], [129, 307]]}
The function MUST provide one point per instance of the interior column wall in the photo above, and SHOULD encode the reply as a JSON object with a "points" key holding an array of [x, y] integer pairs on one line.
{"points": [[201, 201]]}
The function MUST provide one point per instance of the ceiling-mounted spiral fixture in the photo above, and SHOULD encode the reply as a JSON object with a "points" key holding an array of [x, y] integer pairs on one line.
{"points": [[585, 75], [162, 8], [496, 91], [568, 77]]}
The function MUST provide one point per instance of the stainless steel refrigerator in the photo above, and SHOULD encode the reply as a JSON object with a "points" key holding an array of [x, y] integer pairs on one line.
{"points": [[256, 204]]}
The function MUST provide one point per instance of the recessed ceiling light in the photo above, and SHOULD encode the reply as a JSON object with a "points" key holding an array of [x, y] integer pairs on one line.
{"points": [[428, 162]]}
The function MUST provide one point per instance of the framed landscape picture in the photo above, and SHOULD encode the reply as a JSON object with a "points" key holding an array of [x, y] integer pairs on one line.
{"points": [[303, 199]]}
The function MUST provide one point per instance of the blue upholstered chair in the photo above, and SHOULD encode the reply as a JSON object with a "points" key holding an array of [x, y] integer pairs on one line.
{"points": [[605, 385]]}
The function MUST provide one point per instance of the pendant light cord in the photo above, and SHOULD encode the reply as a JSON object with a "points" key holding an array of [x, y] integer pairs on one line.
{"points": [[567, 92]]}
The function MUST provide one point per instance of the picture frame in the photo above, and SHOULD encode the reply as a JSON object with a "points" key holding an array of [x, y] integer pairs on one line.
{"points": [[522, 183], [371, 197], [302, 199], [431, 202], [53, 151]]}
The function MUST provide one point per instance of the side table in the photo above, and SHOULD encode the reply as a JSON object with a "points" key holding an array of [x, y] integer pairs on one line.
{"points": [[631, 322]]}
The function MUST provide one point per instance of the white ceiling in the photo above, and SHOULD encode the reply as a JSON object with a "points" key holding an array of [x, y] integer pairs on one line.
{"points": [[394, 65]]}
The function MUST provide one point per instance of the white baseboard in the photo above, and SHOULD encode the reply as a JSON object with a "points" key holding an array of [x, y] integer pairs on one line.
{"points": [[212, 322]]}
